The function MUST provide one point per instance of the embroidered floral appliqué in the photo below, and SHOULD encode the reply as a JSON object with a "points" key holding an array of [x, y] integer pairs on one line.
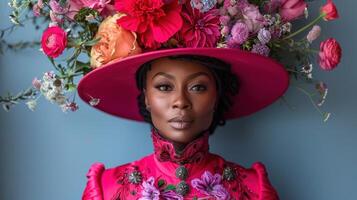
{"points": [[211, 185]]}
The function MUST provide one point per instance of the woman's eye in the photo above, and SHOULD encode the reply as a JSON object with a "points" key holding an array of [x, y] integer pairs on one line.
{"points": [[163, 87], [199, 88]]}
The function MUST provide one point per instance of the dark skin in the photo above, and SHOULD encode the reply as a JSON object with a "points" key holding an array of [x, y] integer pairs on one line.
{"points": [[180, 88]]}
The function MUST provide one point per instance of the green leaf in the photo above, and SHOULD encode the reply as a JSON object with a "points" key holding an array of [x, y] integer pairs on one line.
{"points": [[92, 42], [81, 66], [71, 87], [82, 13], [160, 183], [170, 187]]}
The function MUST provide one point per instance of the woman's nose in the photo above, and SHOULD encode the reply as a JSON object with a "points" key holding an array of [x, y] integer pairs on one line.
{"points": [[181, 100]]}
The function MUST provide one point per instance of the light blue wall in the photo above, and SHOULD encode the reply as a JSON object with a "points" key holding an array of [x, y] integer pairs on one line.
{"points": [[46, 154]]}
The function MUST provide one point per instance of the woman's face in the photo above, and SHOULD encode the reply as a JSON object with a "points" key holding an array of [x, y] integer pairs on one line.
{"points": [[181, 96]]}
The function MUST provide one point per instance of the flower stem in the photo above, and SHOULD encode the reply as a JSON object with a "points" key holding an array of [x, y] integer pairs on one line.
{"points": [[305, 27], [312, 51], [311, 99]]}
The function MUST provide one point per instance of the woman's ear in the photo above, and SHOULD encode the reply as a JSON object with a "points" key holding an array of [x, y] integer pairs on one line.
{"points": [[146, 100]]}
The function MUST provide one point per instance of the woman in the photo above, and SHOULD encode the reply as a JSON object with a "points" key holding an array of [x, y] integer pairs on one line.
{"points": [[184, 96]]}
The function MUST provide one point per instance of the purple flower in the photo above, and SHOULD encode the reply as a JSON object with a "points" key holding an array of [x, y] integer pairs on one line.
{"points": [[171, 195], [264, 36], [211, 185], [261, 49], [149, 192], [239, 33]]}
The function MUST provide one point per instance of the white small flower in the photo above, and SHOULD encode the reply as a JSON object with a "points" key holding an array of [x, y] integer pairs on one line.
{"points": [[307, 68], [286, 28], [64, 108], [60, 99], [31, 104]]}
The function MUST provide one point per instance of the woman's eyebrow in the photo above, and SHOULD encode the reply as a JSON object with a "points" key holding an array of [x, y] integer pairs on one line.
{"points": [[188, 78]]}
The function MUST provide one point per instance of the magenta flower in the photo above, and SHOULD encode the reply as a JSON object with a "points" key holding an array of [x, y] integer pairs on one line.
{"points": [[211, 185], [330, 54], [200, 29]]}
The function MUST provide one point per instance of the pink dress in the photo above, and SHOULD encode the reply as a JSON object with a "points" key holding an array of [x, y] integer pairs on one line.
{"points": [[194, 173]]}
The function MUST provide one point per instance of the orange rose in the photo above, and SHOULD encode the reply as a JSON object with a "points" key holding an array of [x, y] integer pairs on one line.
{"points": [[115, 43]]}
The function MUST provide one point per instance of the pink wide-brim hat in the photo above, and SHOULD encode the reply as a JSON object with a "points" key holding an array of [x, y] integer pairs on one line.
{"points": [[262, 81]]}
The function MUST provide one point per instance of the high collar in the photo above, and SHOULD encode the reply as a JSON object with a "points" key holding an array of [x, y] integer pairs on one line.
{"points": [[194, 152]]}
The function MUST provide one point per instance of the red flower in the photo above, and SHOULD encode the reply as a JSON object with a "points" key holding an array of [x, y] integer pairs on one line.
{"points": [[330, 11], [200, 29], [292, 9], [154, 21], [54, 41], [330, 54]]}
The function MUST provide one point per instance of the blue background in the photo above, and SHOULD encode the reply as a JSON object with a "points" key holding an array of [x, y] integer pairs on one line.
{"points": [[46, 154]]}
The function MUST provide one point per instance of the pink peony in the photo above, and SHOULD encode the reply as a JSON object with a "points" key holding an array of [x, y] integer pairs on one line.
{"points": [[292, 9], [54, 41], [103, 6], [330, 54], [200, 29], [240, 33], [253, 18], [154, 21]]}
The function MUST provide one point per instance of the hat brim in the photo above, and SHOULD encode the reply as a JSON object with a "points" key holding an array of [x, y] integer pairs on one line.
{"points": [[262, 81]]}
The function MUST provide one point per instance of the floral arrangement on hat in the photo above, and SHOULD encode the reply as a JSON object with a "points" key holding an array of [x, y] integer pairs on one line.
{"points": [[105, 31]]}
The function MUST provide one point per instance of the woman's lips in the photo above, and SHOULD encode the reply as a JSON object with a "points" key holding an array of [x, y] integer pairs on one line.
{"points": [[180, 125]]}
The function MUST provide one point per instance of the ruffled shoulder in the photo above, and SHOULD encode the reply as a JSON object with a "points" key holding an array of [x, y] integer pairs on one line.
{"points": [[257, 179], [93, 189]]}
